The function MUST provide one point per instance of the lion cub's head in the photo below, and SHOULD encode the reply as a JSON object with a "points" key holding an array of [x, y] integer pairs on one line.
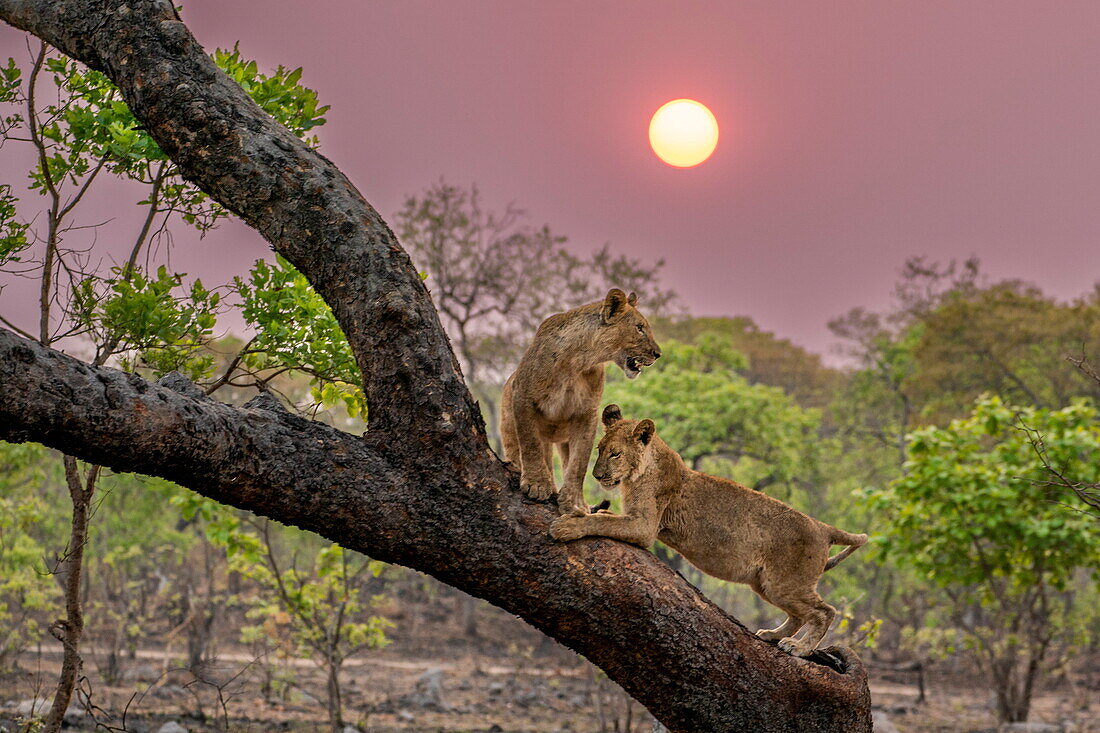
{"points": [[626, 333], [624, 448]]}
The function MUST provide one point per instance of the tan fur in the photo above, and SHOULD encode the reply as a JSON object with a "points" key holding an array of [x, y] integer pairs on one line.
{"points": [[723, 528], [553, 397]]}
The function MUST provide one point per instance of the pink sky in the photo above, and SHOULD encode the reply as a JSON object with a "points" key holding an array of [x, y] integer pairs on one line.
{"points": [[854, 134]]}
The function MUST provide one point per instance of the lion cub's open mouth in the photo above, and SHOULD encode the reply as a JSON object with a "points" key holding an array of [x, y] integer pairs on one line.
{"points": [[634, 366]]}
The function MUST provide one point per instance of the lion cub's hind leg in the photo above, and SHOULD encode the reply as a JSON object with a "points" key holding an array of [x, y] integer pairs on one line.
{"points": [[805, 609], [789, 627], [818, 616]]}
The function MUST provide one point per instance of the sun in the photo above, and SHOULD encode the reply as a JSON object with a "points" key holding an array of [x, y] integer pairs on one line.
{"points": [[683, 133]]}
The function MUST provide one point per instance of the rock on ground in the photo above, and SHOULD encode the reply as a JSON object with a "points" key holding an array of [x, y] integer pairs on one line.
{"points": [[31, 706], [142, 673], [881, 723], [172, 727], [428, 694]]}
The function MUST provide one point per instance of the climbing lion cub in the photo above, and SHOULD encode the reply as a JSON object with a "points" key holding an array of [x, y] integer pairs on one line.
{"points": [[553, 397], [721, 527]]}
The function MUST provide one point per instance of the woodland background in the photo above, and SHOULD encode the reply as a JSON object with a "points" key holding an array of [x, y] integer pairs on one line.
{"points": [[962, 433]]}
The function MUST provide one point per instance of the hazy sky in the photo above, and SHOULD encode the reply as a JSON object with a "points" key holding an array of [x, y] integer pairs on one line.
{"points": [[854, 134]]}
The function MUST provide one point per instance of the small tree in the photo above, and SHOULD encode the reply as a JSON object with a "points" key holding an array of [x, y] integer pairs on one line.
{"points": [[317, 609], [967, 518]]}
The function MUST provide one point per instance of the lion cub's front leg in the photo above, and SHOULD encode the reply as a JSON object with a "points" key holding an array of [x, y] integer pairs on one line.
{"points": [[637, 527], [579, 451], [536, 456]]}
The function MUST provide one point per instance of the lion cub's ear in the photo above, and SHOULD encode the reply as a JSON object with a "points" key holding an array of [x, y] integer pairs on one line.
{"points": [[644, 430], [632, 299], [613, 305], [611, 415]]}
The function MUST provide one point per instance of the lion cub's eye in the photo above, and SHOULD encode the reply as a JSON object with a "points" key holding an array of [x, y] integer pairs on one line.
{"points": [[616, 455], [641, 328]]}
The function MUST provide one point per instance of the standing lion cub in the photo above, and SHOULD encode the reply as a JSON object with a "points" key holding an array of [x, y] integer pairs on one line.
{"points": [[723, 528], [554, 395]]}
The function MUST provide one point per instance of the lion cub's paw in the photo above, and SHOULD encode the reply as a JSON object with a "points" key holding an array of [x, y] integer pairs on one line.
{"points": [[537, 488], [795, 648], [767, 635], [567, 528]]}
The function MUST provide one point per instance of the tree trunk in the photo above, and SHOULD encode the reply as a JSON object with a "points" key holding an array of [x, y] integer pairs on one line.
{"points": [[421, 488], [469, 617], [335, 701], [70, 629]]}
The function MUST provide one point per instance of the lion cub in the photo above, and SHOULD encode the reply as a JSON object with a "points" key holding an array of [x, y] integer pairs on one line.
{"points": [[723, 528], [553, 397]]}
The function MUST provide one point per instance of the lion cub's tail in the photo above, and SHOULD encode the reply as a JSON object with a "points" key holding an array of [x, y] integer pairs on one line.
{"points": [[840, 537]]}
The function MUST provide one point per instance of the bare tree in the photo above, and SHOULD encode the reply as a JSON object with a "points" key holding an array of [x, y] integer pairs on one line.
{"points": [[420, 488]]}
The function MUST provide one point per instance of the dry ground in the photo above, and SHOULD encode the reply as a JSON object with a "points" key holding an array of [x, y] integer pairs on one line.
{"points": [[506, 678], [389, 691]]}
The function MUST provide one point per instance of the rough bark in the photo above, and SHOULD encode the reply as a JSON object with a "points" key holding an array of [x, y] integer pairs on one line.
{"points": [[422, 488]]}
